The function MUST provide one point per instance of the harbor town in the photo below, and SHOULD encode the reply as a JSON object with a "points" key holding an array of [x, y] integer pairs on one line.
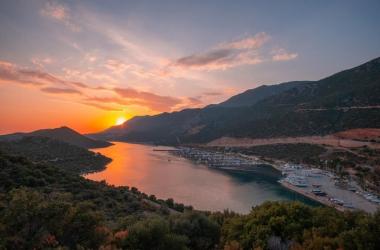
{"points": [[317, 184]]}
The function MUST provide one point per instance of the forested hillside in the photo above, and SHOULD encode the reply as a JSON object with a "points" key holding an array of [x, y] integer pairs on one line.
{"points": [[51, 151], [64, 134], [45, 207]]}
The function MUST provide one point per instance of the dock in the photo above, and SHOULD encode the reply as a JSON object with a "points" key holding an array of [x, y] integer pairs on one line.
{"points": [[215, 159], [326, 188]]}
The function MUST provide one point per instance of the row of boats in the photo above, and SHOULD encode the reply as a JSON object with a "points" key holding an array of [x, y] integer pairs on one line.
{"points": [[294, 174], [212, 159], [297, 175], [371, 197]]}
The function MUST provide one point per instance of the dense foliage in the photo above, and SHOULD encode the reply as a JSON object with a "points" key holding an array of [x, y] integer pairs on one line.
{"points": [[43, 206], [276, 225], [52, 151]]}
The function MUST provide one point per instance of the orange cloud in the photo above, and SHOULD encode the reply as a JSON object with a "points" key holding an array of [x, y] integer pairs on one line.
{"points": [[121, 97], [102, 106], [150, 100], [191, 102]]}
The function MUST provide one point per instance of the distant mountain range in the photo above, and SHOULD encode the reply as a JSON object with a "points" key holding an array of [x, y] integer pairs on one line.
{"points": [[64, 134], [253, 96], [346, 100]]}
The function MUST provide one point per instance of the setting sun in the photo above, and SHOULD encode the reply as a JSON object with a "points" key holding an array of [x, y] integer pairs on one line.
{"points": [[120, 120]]}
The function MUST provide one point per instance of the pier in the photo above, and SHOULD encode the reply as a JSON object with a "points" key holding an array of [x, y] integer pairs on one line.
{"points": [[216, 159], [326, 188]]}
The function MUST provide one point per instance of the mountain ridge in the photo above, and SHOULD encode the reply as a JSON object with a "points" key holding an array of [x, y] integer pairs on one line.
{"points": [[307, 108], [63, 133]]}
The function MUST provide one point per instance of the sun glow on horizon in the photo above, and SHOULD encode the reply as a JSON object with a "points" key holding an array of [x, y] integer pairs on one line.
{"points": [[120, 120]]}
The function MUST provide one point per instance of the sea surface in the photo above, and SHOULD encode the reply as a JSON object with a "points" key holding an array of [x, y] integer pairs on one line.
{"points": [[167, 176]]}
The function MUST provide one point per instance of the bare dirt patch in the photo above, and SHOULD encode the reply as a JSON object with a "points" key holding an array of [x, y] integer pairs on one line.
{"points": [[364, 134], [345, 139]]}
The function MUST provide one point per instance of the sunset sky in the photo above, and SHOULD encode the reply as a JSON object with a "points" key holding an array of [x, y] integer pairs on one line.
{"points": [[90, 64]]}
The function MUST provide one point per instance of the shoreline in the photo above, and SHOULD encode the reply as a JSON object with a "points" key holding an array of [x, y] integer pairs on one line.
{"points": [[352, 201], [323, 200], [278, 165]]}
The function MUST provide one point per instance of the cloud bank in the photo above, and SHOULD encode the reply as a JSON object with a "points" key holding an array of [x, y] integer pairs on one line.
{"points": [[59, 13], [106, 98], [226, 55], [283, 55]]}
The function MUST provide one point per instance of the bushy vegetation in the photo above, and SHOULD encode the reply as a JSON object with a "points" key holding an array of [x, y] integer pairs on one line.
{"points": [[275, 225], [46, 207], [52, 151], [293, 152]]}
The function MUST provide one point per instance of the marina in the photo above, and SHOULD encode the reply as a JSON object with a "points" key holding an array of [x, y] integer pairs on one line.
{"points": [[327, 188], [319, 185], [217, 159]]}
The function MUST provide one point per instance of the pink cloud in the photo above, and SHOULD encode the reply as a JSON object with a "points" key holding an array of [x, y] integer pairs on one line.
{"points": [[150, 100], [11, 73], [252, 42], [41, 62], [121, 97], [283, 55], [116, 66], [55, 10], [60, 13]]}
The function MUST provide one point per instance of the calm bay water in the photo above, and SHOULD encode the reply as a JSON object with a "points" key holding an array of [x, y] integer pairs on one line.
{"points": [[167, 176]]}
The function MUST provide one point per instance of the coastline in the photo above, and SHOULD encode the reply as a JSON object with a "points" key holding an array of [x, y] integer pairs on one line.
{"points": [[323, 200], [352, 201], [276, 164]]}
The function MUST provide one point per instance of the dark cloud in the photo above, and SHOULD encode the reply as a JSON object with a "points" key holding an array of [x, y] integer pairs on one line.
{"points": [[226, 55], [102, 106], [212, 93], [53, 90], [10, 74], [206, 58]]}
